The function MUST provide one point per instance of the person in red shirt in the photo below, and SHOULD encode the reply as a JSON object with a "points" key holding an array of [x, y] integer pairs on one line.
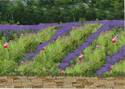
{"points": [[5, 45]]}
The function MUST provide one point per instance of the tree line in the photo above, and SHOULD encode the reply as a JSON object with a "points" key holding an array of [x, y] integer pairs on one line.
{"points": [[51, 11]]}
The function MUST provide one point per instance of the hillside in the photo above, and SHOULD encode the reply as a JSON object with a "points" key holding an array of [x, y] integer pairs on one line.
{"points": [[90, 48]]}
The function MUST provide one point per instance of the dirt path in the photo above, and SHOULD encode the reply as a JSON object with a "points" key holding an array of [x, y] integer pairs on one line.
{"points": [[61, 82]]}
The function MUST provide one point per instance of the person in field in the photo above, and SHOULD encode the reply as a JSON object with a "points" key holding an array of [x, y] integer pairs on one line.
{"points": [[62, 72], [114, 39], [81, 57], [5, 42], [5, 45]]}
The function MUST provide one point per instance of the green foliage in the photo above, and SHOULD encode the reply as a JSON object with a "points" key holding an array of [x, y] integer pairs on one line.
{"points": [[37, 11], [7, 67]]}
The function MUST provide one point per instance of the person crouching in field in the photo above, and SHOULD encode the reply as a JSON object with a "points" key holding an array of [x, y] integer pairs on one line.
{"points": [[81, 57], [62, 72]]}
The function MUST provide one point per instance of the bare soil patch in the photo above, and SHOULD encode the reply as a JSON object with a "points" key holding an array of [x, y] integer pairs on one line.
{"points": [[61, 82]]}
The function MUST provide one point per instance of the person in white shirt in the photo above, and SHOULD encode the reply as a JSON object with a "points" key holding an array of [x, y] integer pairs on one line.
{"points": [[81, 57]]}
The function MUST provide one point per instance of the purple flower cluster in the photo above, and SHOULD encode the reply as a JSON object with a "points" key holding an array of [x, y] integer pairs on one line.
{"points": [[112, 60], [17, 28], [65, 28], [107, 25], [24, 27]]}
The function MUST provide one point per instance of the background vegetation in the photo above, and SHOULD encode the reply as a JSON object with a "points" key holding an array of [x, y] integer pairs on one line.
{"points": [[41, 11]]}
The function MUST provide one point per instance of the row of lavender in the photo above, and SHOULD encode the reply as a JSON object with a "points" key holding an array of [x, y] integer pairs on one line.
{"points": [[7, 31], [107, 25], [42, 26], [112, 60], [25, 27]]}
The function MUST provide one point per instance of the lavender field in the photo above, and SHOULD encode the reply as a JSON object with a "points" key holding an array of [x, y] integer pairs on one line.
{"points": [[89, 48]]}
